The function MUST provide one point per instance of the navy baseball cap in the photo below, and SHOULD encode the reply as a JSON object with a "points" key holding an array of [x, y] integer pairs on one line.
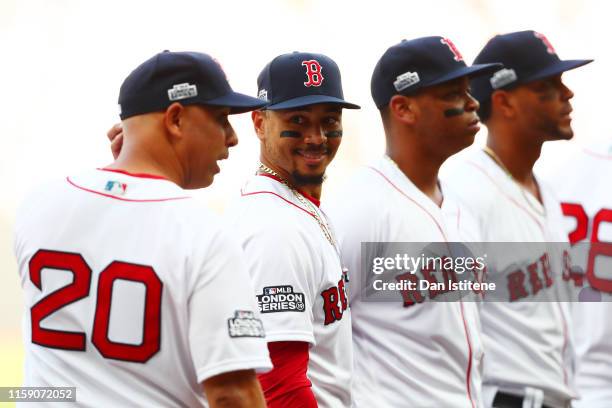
{"points": [[416, 64], [526, 55], [185, 77], [300, 79]]}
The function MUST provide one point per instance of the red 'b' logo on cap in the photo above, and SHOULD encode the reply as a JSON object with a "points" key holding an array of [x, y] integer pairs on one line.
{"points": [[549, 48], [313, 72], [457, 55]]}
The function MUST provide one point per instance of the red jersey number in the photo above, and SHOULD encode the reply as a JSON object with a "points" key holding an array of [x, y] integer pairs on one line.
{"points": [[79, 289], [597, 247]]}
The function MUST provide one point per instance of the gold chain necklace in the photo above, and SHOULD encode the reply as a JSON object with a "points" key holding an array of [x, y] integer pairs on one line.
{"points": [[263, 169], [501, 164]]}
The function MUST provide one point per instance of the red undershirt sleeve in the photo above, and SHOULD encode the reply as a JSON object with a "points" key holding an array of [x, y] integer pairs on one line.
{"points": [[287, 385]]}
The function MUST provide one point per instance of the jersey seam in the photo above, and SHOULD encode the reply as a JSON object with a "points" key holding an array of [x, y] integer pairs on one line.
{"points": [[72, 183], [412, 200], [243, 194], [511, 199]]}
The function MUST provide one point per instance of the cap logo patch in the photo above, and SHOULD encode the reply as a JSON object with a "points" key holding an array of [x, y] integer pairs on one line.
{"points": [[182, 91], [263, 94], [456, 54], [313, 73], [502, 78], [549, 48], [406, 80]]}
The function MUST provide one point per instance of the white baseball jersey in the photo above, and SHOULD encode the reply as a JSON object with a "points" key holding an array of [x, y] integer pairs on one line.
{"points": [[299, 281], [406, 355], [526, 334], [134, 294], [582, 182]]}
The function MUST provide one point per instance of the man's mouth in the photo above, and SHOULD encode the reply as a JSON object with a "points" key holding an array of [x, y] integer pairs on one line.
{"points": [[312, 156], [474, 124]]}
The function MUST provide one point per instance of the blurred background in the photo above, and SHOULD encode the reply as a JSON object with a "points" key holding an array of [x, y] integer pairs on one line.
{"points": [[64, 60]]}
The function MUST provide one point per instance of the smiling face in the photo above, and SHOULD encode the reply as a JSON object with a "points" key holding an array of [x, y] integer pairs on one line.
{"points": [[300, 143], [544, 108], [447, 116], [208, 137]]}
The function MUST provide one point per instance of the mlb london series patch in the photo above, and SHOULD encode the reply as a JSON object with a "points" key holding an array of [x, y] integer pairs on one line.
{"points": [[281, 299], [245, 324]]}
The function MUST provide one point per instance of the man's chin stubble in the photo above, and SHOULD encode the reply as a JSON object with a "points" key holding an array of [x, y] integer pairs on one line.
{"points": [[301, 180]]}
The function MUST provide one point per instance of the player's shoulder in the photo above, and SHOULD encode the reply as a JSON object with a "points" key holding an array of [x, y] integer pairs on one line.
{"points": [[370, 185], [571, 159], [359, 197], [472, 178], [141, 193], [39, 195], [600, 150], [266, 208]]}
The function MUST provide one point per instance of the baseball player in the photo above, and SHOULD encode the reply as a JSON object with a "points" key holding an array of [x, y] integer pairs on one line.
{"points": [[412, 353], [134, 294], [526, 336], [586, 201], [290, 247]]}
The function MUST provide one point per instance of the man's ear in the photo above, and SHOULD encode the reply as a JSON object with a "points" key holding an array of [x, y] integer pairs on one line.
{"points": [[404, 109], [503, 104], [259, 122], [174, 120]]}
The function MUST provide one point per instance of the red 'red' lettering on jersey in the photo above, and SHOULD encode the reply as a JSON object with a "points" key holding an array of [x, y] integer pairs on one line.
{"points": [[549, 48], [534, 279], [342, 293], [428, 273], [516, 285], [539, 276], [451, 46], [410, 296], [335, 302], [545, 262], [313, 72]]}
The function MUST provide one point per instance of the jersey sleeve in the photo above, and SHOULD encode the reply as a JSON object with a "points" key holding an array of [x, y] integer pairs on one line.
{"points": [[281, 264], [225, 329]]}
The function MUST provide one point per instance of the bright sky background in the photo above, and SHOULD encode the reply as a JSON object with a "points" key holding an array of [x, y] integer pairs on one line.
{"points": [[64, 60]]}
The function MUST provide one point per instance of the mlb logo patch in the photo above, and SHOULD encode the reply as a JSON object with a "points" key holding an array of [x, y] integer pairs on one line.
{"points": [[115, 187]]}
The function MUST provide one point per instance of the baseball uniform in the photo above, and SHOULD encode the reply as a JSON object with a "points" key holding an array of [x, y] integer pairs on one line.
{"points": [[528, 347], [417, 355], [134, 294], [583, 186], [299, 280]]}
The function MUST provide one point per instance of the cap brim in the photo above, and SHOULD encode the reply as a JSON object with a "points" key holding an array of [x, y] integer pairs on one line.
{"points": [[237, 102], [311, 100], [471, 72], [555, 69]]}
